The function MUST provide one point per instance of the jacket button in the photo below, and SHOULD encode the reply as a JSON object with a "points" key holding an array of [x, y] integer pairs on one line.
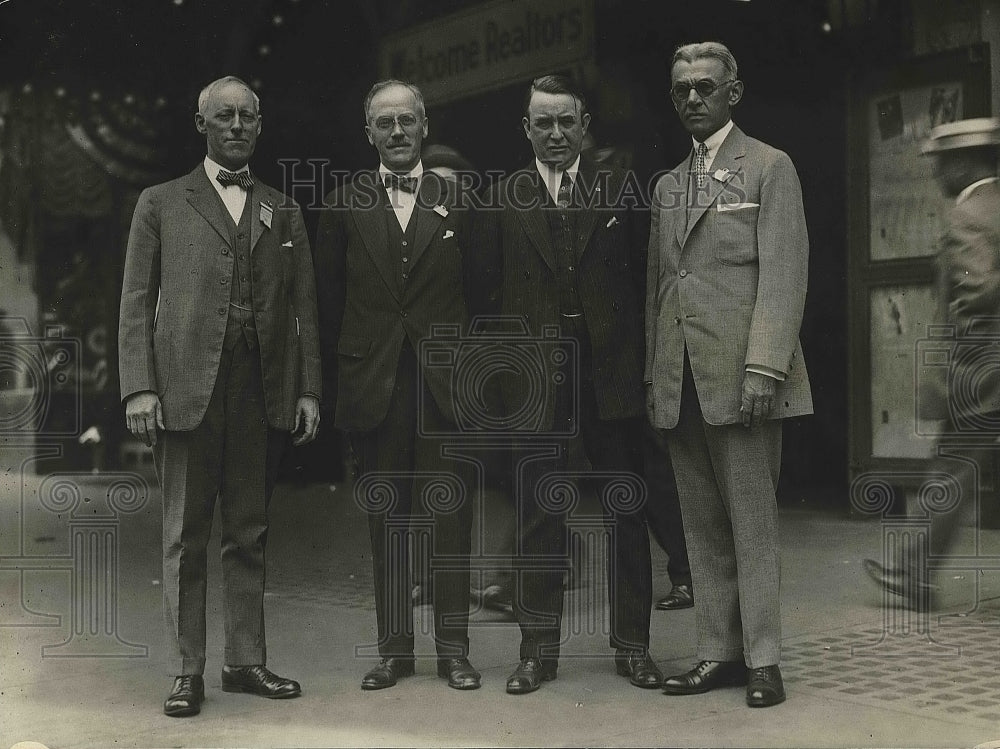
{"points": [[683, 273], [677, 321], [527, 274], [224, 281], [402, 313], [222, 310], [615, 306], [225, 251]]}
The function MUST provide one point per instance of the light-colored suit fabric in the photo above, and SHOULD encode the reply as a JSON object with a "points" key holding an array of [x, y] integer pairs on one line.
{"points": [[175, 300], [226, 410], [380, 296], [726, 288]]}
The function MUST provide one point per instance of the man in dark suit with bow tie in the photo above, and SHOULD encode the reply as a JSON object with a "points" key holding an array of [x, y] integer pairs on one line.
{"points": [[557, 249], [389, 267], [219, 360]]}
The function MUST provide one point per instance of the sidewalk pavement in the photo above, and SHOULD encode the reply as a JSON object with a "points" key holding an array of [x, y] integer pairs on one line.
{"points": [[81, 649]]}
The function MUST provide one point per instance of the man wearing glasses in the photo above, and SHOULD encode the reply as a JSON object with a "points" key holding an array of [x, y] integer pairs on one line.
{"points": [[728, 255], [388, 268]]}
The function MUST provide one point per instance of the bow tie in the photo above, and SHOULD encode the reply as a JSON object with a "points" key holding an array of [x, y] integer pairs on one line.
{"points": [[227, 178], [394, 181]]}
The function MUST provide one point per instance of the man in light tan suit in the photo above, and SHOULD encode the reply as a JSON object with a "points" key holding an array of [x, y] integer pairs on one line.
{"points": [[726, 287], [219, 361]]}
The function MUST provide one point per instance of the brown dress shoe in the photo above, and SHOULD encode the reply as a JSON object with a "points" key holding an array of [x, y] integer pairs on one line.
{"points": [[459, 672], [765, 687], [706, 676], [640, 669], [258, 680], [186, 696], [387, 672], [680, 597], [528, 676]]}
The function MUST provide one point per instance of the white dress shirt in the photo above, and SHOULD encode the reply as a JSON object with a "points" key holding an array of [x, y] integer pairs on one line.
{"points": [[402, 202], [234, 196], [552, 177]]}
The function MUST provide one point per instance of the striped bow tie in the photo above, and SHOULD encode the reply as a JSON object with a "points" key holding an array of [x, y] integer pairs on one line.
{"points": [[227, 178], [394, 181]]}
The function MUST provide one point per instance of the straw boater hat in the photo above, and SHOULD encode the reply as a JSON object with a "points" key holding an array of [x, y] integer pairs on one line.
{"points": [[975, 133]]}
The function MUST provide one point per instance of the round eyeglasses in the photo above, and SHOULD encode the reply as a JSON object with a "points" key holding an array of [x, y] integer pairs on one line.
{"points": [[705, 88]]}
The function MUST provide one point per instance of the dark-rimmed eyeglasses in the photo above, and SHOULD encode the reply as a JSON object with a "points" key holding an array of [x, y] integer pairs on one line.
{"points": [[679, 92], [405, 121]]}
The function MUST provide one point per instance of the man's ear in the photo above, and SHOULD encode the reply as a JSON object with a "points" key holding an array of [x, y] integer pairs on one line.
{"points": [[527, 127], [199, 123], [585, 121], [368, 132], [735, 93]]}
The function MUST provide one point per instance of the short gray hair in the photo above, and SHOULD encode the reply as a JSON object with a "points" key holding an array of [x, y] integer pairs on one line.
{"points": [[700, 50], [388, 83], [219, 82]]}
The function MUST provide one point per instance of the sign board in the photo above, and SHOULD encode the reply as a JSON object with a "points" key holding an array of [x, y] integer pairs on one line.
{"points": [[490, 46]]}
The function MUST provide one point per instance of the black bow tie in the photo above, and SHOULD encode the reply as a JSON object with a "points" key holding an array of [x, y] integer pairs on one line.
{"points": [[227, 178], [394, 181]]}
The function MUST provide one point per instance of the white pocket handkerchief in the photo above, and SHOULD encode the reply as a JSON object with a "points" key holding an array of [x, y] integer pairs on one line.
{"points": [[735, 206], [287, 244], [448, 234]]}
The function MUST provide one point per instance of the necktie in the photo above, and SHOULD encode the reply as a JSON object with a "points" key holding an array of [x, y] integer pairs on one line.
{"points": [[227, 178], [699, 165], [394, 181], [565, 194]]}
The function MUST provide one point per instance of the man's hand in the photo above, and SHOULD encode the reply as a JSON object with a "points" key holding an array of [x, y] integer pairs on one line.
{"points": [[758, 398], [144, 415], [306, 420]]}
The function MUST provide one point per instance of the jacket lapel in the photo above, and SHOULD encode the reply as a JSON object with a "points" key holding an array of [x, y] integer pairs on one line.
{"points": [[432, 192], [589, 188], [206, 201], [733, 149], [531, 194], [368, 204]]}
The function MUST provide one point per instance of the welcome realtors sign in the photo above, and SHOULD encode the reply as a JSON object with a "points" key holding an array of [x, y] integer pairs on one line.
{"points": [[490, 46]]}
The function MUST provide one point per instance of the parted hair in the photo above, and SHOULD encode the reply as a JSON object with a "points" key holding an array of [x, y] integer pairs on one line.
{"points": [[388, 83], [700, 50], [556, 84]]}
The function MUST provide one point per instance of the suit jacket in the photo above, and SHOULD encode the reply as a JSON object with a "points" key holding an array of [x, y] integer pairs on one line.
{"points": [[727, 280], [968, 296], [367, 308], [175, 300], [514, 274]]}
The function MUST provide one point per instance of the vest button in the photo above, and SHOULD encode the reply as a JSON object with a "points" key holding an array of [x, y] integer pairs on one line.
{"points": [[224, 281], [406, 259], [225, 251], [402, 313], [222, 310], [405, 243]]}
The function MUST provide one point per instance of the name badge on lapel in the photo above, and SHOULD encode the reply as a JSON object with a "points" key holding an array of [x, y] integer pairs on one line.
{"points": [[266, 213], [722, 175], [441, 211]]}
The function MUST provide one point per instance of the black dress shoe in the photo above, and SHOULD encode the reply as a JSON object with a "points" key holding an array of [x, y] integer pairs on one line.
{"points": [[387, 672], [186, 697], [765, 687], [640, 669], [706, 676], [459, 672], [258, 680], [528, 676], [901, 582], [680, 597]]}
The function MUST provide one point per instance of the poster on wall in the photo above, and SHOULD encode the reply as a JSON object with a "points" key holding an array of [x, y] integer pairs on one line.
{"points": [[906, 208]]}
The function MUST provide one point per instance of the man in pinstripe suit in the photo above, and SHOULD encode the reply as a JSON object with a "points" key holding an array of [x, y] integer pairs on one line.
{"points": [[556, 248], [728, 254]]}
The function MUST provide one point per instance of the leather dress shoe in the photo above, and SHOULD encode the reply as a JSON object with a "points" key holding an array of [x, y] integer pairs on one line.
{"points": [[901, 582], [460, 673], [186, 696], [765, 687], [680, 597], [706, 676], [387, 672], [640, 669], [258, 680], [529, 675]]}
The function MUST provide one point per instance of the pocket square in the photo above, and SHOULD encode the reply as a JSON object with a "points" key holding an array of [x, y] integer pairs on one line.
{"points": [[735, 206], [287, 244], [448, 234]]}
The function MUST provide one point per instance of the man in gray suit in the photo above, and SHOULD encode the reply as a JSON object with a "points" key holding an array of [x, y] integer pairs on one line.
{"points": [[219, 360], [389, 267], [728, 256]]}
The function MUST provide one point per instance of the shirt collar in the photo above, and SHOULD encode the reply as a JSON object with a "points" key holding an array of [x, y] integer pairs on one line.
{"points": [[212, 169], [416, 171], [962, 196], [713, 141], [551, 174]]}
